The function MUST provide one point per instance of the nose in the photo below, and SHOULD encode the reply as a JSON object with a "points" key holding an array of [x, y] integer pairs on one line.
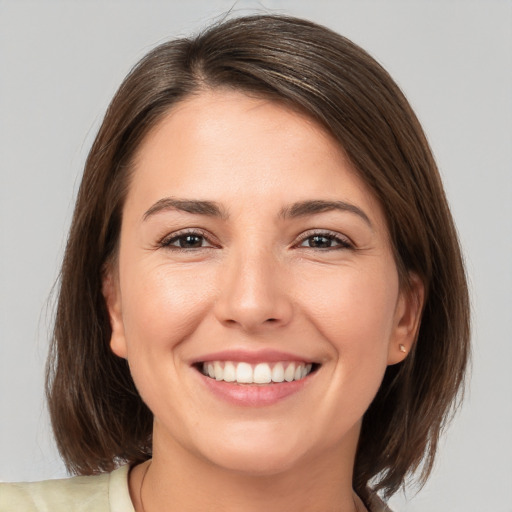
{"points": [[253, 293]]}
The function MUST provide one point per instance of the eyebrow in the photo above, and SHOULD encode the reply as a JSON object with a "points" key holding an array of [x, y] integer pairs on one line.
{"points": [[194, 206], [304, 208], [213, 209]]}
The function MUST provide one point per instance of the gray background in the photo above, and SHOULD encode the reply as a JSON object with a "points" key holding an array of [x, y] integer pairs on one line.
{"points": [[60, 63]]}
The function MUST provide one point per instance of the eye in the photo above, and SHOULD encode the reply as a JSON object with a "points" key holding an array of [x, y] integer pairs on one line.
{"points": [[186, 240], [325, 241]]}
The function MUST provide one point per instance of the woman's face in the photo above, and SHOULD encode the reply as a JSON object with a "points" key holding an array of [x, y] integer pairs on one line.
{"points": [[251, 252]]}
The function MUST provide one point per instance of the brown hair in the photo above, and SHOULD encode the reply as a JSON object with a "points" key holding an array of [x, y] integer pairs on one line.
{"points": [[99, 419]]}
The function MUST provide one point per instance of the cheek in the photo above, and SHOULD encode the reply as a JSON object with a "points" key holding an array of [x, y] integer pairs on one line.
{"points": [[161, 306], [355, 314], [161, 311], [353, 308]]}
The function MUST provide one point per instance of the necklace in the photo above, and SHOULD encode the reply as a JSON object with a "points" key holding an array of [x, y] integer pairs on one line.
{"points": [[141, 484]]}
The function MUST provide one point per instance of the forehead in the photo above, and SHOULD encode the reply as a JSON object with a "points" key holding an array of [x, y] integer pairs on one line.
{"points": [[229, 145], [225, 118]]}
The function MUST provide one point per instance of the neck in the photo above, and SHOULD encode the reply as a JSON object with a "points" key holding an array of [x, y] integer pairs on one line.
{"points": [[177, 480]]}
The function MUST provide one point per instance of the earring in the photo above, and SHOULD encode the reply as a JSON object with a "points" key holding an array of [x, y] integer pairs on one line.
{"points": [[402, 348]]}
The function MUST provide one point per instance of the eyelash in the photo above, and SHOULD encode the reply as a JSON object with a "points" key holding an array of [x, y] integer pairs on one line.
{"points": [[342, 242], [175, 237]]}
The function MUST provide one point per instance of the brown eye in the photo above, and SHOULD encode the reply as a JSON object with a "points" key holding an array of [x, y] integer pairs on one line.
{"points": [[319, 242], [190, 241], [324, 241], [186, 241]]}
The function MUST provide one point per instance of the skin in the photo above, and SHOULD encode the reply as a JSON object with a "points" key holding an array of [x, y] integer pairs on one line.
{"points": [[255, 281]]}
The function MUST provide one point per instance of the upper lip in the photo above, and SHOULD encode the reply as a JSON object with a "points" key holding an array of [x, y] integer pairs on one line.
{"points": [[255, 356]]}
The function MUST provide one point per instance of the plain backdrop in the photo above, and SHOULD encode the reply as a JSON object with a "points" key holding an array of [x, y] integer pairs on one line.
{"points": [[60, 63]]}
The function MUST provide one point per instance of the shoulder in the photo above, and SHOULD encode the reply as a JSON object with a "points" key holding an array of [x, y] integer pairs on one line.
{"points": [[107, 492]]}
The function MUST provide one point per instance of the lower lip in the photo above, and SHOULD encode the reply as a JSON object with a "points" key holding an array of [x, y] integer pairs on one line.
{"points": [[254, 395]]}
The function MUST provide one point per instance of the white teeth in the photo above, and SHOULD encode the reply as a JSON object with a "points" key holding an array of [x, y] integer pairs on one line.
{"points": [[261, 373], [218, 371], [244, 373], [229, 372], [278, 373], [289, 373]]}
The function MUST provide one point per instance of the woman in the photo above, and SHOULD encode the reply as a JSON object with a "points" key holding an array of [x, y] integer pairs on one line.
{"points": [[263, 303]]}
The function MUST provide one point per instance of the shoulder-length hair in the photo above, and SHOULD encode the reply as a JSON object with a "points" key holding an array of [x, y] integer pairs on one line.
{"points": [[99, 419]]}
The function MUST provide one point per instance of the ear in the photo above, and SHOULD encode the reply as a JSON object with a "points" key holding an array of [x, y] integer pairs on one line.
{"points": [[112, 295], [407, 320]]}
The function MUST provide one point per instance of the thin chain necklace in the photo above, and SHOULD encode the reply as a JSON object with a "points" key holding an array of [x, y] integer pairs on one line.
{"points": [[146, 472]]}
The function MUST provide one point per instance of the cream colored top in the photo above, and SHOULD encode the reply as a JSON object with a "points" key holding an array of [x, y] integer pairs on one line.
{"points": [[100, 493]]}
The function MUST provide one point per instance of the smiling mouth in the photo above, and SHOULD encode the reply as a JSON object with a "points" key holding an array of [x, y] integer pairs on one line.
{"points": [[260, 373]]}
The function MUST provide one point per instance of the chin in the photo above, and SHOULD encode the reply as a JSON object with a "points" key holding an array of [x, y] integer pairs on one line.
{"points": [[257, 463], [261, 453]]}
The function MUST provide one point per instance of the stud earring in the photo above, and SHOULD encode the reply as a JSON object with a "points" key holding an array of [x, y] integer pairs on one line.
{"points": [[402, 348]]}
